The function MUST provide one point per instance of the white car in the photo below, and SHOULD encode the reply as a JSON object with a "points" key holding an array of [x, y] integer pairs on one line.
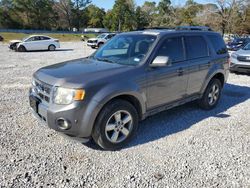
{"points": [[100, 40], [36, 42]]}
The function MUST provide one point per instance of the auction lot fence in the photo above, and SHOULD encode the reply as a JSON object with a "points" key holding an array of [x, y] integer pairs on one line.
{"points": [[28, 31]]}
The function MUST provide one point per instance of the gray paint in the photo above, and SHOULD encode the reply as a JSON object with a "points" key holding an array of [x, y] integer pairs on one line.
{"points": [[156, 88]]}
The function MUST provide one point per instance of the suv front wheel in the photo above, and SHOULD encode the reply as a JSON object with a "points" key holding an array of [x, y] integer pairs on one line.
{"points": [[115, 125], [211, 95]]}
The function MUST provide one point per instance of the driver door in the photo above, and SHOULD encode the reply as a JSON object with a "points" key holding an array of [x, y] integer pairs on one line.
{"points": [[169, 83]]}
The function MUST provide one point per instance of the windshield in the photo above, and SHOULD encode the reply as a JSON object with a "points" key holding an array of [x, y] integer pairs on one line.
{"points": [[126, 49], [247, 47], [101, 36], [25, 38]]}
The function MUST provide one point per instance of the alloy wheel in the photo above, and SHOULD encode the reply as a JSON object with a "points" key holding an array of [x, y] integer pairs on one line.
{"points": [[119, 126]]}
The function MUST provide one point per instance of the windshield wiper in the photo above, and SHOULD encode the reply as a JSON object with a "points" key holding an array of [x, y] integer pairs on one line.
{"points": [[104, 59]]}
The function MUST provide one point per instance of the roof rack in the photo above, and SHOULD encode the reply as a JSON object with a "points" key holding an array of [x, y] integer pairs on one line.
{"points": [[155, 28], [197, 28]]}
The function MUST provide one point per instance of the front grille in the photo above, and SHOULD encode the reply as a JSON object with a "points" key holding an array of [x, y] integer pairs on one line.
{"points": [[42, 90], [244, 58], [92, 41]]}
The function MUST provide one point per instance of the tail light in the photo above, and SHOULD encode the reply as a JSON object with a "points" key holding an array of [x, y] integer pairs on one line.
{"points": [[56, 40]]}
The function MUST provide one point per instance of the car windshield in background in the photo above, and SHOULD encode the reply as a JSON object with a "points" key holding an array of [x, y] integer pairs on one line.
{"points": [[126, 49], [101, 36], [247, 47]]}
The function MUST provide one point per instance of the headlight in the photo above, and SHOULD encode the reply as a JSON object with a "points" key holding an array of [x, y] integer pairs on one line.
{"points": [[234, 56], [66, 96]]}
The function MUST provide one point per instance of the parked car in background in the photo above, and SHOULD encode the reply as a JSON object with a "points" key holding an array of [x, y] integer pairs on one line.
{"points": [[1, 38], [240, 60], [95, 30], [237, 43], [100, 40], [133, 76], [35, 42]]}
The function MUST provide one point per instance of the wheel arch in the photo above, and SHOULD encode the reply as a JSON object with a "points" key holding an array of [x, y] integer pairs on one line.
{"points": [[217, 75]]}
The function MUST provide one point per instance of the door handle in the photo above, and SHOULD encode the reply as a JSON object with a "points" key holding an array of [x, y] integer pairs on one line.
{"points": [[180, 71]]}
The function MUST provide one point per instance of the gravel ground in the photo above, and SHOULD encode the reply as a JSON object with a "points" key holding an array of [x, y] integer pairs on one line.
{"points": [[182, 147]]}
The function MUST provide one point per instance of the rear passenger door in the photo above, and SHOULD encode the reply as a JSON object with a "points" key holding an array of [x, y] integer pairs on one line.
{"points": [[32, 43], [168, 84], [44, 43], [199, 61]]}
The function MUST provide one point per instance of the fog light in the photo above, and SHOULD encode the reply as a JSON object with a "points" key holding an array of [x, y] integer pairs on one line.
{"points": [[63, 124]]}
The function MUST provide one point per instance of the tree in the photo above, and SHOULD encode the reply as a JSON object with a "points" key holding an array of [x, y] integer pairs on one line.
{"points": [[190, 12], [95, 16], [36, 14], [140, 18], [78, 12], [150, 12], [165, 17], [64, 10]]}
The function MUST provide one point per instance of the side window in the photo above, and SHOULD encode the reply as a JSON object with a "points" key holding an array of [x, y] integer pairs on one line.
{"points": [[109, 36], [30, 39], [196, 47], [172, 48], [44, 38], [218, 44]]}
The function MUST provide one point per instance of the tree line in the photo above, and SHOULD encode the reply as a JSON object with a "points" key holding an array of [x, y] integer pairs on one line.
{"points": [[226, 16]]}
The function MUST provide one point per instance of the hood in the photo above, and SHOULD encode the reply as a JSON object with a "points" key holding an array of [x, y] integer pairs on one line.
{"points": [[77, 73], [14, 41], [93, 39], [242, 52]]}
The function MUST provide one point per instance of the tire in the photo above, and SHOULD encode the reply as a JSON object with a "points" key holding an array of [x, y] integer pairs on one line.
{"points": [[21, 49], [100, 45], [211, 95], [116, 124], [52, 47]]}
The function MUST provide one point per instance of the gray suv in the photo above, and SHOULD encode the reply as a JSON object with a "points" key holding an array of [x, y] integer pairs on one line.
{"points": [[133, 76]]}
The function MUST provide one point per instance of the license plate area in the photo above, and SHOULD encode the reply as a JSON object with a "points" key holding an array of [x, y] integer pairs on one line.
{"points": [[34, 102]]}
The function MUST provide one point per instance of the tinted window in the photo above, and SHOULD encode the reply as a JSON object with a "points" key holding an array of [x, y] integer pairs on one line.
{"points": [[44, 38], [218, 44], [172, 48], [196, 47]]}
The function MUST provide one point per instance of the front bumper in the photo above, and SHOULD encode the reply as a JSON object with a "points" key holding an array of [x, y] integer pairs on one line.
{"points": [[239, 66], [80, 115], [92, 44]]}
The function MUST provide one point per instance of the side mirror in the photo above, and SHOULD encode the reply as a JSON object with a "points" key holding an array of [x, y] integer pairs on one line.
{"points": [[161, 61]]}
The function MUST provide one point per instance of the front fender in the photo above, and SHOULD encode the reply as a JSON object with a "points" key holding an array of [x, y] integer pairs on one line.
{"points": [[102, 97], [109, 92]]}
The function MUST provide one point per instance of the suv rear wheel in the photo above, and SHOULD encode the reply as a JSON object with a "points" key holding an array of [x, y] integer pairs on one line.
{"points": [[211, 95], [116, 124]]}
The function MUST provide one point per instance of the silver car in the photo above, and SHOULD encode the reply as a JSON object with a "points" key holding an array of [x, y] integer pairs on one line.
{"points": [[240, 60]]}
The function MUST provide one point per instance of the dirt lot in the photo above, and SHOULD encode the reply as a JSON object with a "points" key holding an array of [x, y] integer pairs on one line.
{"points": [[182, 147]]}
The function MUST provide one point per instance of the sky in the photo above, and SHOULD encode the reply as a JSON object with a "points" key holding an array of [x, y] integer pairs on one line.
{"points": [[108, 4]]}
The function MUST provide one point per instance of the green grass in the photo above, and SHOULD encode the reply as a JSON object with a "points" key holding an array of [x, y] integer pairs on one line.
{"points": [[62, 37]]}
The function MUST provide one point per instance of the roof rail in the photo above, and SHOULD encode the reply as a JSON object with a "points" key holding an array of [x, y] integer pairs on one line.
{"points": [[155, 28], [197, 28]]}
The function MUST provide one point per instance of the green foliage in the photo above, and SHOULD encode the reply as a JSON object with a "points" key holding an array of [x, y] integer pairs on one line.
{"points": [[95, 16], [227, 16]]}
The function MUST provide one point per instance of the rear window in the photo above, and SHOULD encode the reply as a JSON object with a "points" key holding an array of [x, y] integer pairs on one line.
{"points": [[196, 47], [218, 44]]}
